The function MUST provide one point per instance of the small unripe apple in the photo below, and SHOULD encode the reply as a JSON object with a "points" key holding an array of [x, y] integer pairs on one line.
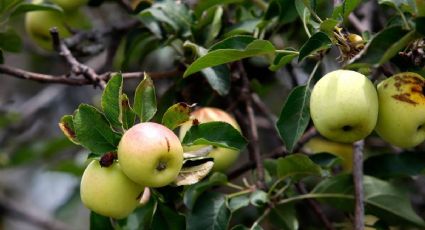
{"points": [[342, 150], [70, 5], [38, 24], [344, 106], [108, 191], [401, 119], [223, 157], [150, 154]]}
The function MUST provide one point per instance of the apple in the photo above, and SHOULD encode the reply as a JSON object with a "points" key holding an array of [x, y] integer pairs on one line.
{"points": [[150, 154], [401, 119], [70, 5], [38, 24], [342, 150], [344, 106], [108, 191], [223, 157]]}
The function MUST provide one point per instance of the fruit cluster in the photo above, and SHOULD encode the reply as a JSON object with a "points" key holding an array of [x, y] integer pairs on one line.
{"points": [[345, 107], [148, 155]]}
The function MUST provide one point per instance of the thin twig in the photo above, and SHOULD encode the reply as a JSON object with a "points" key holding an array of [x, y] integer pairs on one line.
{"points": [[316, 207], [358, 185]]}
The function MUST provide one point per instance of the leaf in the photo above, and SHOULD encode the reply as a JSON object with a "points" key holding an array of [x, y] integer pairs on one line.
{"points": [[283, 9], [344, 9], [209, 213], [10, 41], [318, 41], [220, 134], [258, 198], [238, 202], [27, 7], [193, 192], [66, 124], [380, 46], [111, 100], [145, 99], [98, 222], [395, 165], [93, 130], [328, 26], [384, 200], [141, 218], [420, 24], [222, 53], [420, 6], [128, 115], [218, 76], [297, 166], [166, 218], [193, 174], [203, 5], [176, 115], [284, 217], [294, 117], [281, 60], [326, 160]]}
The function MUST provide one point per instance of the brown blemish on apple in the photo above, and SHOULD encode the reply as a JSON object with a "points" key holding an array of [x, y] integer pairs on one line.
{"points": [[168, 144], [417, 86], [161, 166], [108, 159], [405, 98]]}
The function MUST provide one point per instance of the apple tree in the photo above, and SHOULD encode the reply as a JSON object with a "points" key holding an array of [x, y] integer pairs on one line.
{"points": [[207, 114]]}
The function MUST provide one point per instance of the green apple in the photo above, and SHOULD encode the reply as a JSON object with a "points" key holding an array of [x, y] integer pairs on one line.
{"points": [[223, 157], [342, 150], [38, 24], [150, 154], [401, 119], [108, 191], [70, 5], [344, 106]]}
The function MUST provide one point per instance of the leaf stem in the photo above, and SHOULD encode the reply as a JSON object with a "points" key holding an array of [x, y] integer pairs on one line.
{"points": [[312, 73], [240, 193], [235, 186], [257, 222], [287, 52]]}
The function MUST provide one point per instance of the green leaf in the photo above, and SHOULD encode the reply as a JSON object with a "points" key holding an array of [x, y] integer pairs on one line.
{"points": [[283, 9], [220, 134], [317, 42], [193, 192], [328, 26], [145, 99], [384, 200], [98, 222], [284, 217], [258, 198], [420, 6], [326, 160], [420, 25], [203, 5], [395, 165], [176, 115], [297, 166], [209, 25], [209, 213], [111, 100], [141, 218], [222, 53], [382, 46], [27, 7], [294, 117], [66, 124], [344, 9], [238, 202], [218, 76], [281, 60], [94, 131], [10, 41], [128, 115], [166, 218]]}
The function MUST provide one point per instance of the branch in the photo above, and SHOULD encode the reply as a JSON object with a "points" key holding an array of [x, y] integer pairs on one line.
{"points": [[358, 185], [76, 67]]}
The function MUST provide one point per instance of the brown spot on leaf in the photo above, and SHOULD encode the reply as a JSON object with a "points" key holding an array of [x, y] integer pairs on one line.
{"points": [[124, 102], [67, 130], [405, 98], [108, 159], [385, 85]]}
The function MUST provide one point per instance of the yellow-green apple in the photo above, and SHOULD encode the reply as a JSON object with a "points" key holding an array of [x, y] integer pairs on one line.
{"points": [[150, 154], [342, 150], [344, 106], [38, 24], [108, 191], [401, 119], [70, 5], [223, 157]]}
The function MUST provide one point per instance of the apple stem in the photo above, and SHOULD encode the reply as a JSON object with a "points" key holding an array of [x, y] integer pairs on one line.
{"points": [[358, 184]]}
